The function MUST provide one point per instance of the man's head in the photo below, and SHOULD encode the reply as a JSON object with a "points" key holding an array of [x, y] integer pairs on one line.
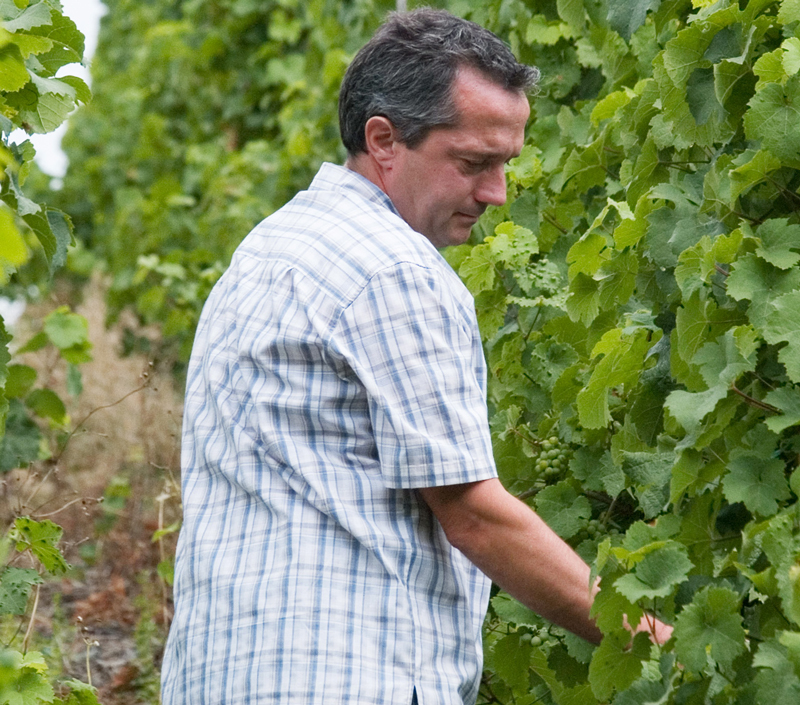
{"points": [[431, 110], [406, 74]]}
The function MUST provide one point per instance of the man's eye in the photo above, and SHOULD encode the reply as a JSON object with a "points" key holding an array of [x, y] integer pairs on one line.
{"points": [[473, 167]]}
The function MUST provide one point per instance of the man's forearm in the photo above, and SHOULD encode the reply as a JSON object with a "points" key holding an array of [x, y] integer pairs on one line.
{"points": [[518, 551], [510, 543]]}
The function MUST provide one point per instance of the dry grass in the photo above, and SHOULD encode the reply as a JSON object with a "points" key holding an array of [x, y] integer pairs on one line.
{"points": [[125, 428]]}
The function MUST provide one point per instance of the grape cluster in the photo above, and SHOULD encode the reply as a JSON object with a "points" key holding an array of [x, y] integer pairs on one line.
{"points": [[596, 529], [553, 458], [535, 637]]}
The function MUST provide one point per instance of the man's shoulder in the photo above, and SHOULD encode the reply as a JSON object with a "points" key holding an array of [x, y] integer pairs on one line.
{"points": [[342, 231]]}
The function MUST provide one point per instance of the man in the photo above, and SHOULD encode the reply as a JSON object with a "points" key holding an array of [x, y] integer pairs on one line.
{"points": [[341, 504]]}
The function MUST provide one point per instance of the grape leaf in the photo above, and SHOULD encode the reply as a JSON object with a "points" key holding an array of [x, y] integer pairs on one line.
{"points": [[626, 16], [477, 270], [783, 324], [791, 56], [41, 538], [758, 482], [788, 13], [761, 283], [710, 626], [514, 612], [621, 365], [656, 575], [13, 74], [562, 509], [774, 119], [512, 659], [16, 19], [787, 400], [54, 231], [46, 404], [20, 444], [780, 243], [597, 473], [15, 588], [614, 665], [66, 329], [20, 380]]}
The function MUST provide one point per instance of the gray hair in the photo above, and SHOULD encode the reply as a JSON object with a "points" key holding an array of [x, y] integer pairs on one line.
{"points": [[405, 73]]}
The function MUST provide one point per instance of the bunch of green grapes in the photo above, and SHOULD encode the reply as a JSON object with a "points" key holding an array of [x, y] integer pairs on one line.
{"points": [[595, 529], [553, 459], [535, 636]]}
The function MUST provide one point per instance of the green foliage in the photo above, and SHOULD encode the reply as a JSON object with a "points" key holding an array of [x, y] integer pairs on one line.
{"points": [[207, 116], [36, 40], [637, 294], [660, 191]]}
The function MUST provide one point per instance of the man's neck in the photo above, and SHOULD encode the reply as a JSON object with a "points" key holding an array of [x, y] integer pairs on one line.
{"points": [[366, 166]]}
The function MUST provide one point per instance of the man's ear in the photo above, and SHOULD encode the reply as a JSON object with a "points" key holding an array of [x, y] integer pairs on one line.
{"points": [[381, 138]]}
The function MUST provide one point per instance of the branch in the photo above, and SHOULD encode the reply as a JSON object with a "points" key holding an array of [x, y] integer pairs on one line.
{"points": [[757, 403]]}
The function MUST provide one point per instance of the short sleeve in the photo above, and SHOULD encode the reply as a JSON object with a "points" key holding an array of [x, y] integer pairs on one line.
{"points": [[416, 350]]}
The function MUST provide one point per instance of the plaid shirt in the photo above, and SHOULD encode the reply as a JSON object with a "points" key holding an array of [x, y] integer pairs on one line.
{"points": [[337, 365]]}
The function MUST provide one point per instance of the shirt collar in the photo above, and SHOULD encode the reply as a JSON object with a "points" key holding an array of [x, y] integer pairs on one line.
{"points": [[335, 177]]}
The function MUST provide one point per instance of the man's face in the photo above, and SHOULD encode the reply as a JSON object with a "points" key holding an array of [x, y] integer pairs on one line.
{"points": [[443, 185]]}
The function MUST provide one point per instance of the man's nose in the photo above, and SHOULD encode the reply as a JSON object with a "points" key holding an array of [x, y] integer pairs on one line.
{"points": [[492, 186]]}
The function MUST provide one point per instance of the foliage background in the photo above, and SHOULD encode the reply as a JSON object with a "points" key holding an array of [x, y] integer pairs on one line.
{"points": [[638, 294]]}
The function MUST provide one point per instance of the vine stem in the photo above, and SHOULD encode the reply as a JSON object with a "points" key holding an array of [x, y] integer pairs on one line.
{"points": [[31, 621], [142, 386], [757, 403]]}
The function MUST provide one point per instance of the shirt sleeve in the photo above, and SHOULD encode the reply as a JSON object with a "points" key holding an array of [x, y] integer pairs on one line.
{"points": [[417, 353]]}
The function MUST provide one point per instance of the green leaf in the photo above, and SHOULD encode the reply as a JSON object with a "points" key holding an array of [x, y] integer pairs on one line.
{"points": [[16, 20], [41, 538], [526, 169], [656, 575], [774, 120], [783, 324], [761, 283], [15, 588], [701, 96], [787, 401], [615, 666], [13, 74], [789, 11], [46, 404], [791, 56], [758, 482], [66, 329], [54, 231], [477, 270], [20, 380], [43, 112], [780, 242], [512, 660], [514, 612], [621, 366], [752, 172], [31, 44], [626, 16], [572, 12], [562, 509], [13, 251], [513, 244], [20, 444], [709, 626], [599, 474], [80, 693], [68, 43]]}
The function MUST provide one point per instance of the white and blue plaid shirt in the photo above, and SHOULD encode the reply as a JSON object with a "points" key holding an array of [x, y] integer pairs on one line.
{"points": [[337, 366]]}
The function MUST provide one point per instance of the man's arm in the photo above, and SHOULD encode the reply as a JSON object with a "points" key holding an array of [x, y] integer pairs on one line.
{"points": [[517, 550]]}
